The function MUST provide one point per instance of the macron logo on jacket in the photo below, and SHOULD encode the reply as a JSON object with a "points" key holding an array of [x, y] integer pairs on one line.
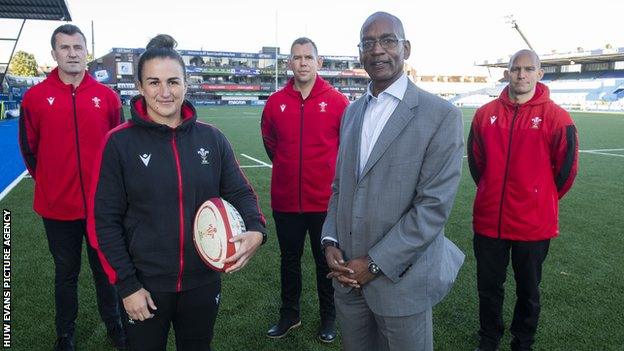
{"points": [[145, 158]]}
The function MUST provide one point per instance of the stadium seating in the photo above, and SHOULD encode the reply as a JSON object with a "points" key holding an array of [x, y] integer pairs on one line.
{"points": [[598, 90]]}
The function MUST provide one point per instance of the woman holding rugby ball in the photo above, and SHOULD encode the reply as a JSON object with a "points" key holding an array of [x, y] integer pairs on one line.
{"points": [[154, 173]]}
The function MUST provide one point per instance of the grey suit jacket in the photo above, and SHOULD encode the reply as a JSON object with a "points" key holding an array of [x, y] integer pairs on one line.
{"points": [[395, 211]]}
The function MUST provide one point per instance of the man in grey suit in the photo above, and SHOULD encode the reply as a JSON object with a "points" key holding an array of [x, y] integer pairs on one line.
{"points": [[399, 166]]}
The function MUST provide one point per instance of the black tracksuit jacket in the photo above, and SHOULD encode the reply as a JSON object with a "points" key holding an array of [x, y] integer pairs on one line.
{"points": [[148, 185]]}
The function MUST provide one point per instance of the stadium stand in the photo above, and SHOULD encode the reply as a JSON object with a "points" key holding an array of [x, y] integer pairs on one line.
{"points": [[51, 10], [581, 80], [243, 78], [229, 78]]}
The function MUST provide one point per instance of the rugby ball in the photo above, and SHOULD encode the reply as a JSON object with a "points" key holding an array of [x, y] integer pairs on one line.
{"points": [[216, 222]]}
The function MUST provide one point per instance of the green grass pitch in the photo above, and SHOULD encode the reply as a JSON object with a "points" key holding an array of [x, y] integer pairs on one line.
{"points": [[582, 287]]}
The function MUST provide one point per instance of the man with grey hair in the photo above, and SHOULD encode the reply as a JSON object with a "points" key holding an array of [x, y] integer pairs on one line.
{"points": [[398, 170], [522, 153], [300, 125]]}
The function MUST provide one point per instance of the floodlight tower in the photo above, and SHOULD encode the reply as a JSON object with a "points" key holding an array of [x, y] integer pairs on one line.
{"points": [[510, 19]]}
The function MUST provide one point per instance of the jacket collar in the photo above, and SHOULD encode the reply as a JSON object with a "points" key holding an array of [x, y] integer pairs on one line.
{"points": [[396, 89], [542, 95], [87, 81], [320, 85], [138, 111]]}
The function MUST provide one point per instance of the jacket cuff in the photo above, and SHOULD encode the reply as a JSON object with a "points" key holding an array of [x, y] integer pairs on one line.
{"points": [[387, 265], [128, 286], [258, 227]]}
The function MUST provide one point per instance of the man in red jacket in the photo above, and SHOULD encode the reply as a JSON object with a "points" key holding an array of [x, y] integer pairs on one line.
{"points": [[300, 129], [522, 153], [64, 119]]}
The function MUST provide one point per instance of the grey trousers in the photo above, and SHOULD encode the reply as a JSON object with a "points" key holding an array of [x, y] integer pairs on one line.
{"points": [[362, 330]]}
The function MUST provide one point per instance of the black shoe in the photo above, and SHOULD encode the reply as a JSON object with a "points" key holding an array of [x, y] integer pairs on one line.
{"points": [[327, 331], [282, 327], [117, 336], [65, 343]]}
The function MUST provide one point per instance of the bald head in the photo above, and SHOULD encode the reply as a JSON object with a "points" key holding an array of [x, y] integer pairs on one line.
{"points": [[396, 22], [523, 74], [525, 52]]}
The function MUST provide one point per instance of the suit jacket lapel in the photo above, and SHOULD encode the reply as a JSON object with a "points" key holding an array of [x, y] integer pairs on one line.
{"points": [[354, 140], [397, 121]]}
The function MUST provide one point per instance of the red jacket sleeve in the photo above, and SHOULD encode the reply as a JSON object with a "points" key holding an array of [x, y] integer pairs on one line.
{"points": [[269, 137], [29, 136], [116, 115], [344, 102], [564, 154], [474, 146]]}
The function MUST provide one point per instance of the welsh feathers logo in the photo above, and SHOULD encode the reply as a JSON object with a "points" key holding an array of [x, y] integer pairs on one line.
{"points": [[536, 122], [203, 153], [96, 101], [322, 105]]}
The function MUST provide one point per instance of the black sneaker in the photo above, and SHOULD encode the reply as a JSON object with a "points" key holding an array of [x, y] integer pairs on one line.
{"points": [[117, 336], [327, 331], [282, 327], [65, 343]]}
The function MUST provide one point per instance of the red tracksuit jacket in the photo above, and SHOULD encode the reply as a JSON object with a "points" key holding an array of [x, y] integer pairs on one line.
{"points": [[523, 159], [301, 138], [61, 129]]}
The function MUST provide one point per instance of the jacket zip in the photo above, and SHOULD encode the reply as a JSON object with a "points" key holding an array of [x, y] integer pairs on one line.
{"points": [[181, 203], [500, 209], [301, 159], [82, 191]]}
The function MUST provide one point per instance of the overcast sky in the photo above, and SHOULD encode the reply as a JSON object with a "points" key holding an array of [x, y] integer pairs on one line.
{"points": [[447, 36]]}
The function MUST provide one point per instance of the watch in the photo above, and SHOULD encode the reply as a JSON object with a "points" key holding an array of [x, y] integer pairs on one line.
{"points": [[373, 267], [327, 242]]}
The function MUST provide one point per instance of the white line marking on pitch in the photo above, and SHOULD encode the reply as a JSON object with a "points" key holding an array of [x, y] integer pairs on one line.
{"points": [[256, 160], [253, 166], [13, 184], [598, 150], [602, 153]]}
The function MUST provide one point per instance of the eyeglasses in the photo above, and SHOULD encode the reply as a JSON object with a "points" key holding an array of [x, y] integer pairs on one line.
{"points": [[386, 44]]}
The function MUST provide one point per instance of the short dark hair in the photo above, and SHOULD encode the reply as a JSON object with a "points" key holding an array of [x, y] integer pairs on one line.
{"points": [[68, 29], [398, 25], [303, 41], [161, 46]]}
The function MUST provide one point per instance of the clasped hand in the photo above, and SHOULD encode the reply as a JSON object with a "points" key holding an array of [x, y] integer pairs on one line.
{"points": [[353, 273]]}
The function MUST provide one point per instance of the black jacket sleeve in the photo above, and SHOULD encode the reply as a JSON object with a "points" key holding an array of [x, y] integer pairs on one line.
{"points": [[108, 207], [235, 188]]}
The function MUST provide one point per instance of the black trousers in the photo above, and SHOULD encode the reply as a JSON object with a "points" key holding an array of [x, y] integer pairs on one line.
{"points": [[192, 312], [65, 244], [291, 233], [492, 257]]}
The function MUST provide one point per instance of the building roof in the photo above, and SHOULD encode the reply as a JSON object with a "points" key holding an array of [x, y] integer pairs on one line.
{"points": [[52, 10], [567, 58]]}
